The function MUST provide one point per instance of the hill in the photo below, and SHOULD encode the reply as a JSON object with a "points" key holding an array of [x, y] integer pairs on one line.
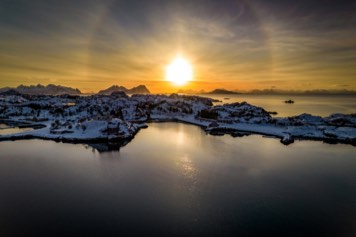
{"points": [[222, 91], [42, 90], [141, 89]]}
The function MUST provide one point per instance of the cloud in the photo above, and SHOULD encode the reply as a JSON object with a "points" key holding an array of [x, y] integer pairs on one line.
{"points": [[94, 43]]}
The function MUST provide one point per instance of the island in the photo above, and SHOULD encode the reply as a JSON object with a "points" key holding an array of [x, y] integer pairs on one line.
{"points": [[223, 92], [113, 120]]}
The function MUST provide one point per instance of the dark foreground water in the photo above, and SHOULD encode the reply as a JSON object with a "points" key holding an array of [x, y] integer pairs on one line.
{"points": [[173, 179]]}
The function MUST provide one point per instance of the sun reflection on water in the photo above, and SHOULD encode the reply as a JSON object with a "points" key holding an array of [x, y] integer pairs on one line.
{"points": [[189, 171]]}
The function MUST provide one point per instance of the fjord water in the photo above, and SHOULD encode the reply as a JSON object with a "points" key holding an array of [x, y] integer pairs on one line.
{"points": [[321, 105], [173, 179]]}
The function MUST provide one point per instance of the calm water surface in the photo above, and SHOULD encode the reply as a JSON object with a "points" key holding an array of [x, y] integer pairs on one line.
{"points": [[173, 179], [5, 129], [316, 105]]}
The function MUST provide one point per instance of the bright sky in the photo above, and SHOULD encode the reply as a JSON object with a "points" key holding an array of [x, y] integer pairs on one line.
{"points": [[232, 44]]}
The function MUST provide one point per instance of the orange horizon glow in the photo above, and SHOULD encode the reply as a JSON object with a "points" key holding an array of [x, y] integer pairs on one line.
{"points": [[94, 47]]}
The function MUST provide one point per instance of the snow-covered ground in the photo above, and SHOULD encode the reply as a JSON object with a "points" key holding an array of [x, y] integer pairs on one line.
{"points": [[117, 118]]}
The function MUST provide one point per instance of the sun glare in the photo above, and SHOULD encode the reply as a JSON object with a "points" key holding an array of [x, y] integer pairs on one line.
{"points": [[179, 71]]}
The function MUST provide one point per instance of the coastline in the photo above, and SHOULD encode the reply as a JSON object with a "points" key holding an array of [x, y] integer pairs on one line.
{"points": [[116, 143], [116, 121]]}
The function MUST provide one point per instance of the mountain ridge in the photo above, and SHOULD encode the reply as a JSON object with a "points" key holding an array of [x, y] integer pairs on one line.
{"points": [[222, 91], [39, 89], [140, 89]]}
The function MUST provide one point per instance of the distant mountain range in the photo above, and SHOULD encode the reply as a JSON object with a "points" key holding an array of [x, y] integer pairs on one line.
{"points": [[298, 92], [223, 91], [41, 90], [141, 89], [216, 91], [61, 90], [271, 92], [189, 91]]}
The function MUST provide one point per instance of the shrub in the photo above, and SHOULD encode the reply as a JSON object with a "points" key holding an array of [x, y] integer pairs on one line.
{"points": [[209, 114]]}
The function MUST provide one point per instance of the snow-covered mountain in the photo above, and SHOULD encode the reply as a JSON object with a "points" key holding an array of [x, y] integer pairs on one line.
{"points": [[141, 89], [43, 90]]}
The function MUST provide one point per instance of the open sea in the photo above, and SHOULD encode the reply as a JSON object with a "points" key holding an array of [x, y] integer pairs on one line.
{"points": [[173, 179], [321, 105]]}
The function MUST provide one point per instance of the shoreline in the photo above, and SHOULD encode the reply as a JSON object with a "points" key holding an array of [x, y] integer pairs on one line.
{"points": [[115, 121], [116, 143]]}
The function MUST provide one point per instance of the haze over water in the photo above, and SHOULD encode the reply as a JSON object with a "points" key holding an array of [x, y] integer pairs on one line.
{"points": [[173, 179], [320, 105]]}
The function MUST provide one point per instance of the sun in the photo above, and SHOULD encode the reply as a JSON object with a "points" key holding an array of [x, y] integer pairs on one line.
{"points": [[179, 71]]}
